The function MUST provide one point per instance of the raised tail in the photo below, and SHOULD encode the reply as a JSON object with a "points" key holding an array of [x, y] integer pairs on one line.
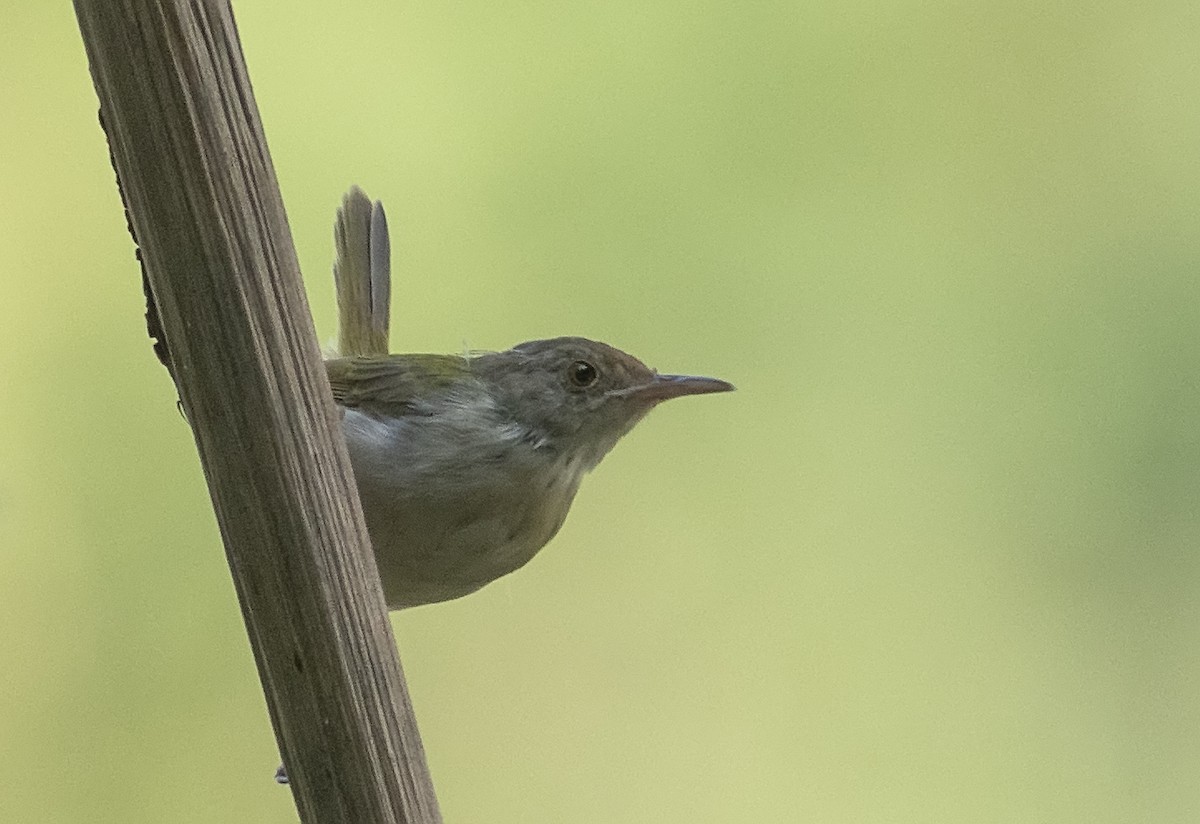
{"points": [[362, 275]]}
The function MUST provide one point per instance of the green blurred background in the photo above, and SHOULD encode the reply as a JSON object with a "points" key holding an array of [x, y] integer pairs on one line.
{"points": [[936, 561]]}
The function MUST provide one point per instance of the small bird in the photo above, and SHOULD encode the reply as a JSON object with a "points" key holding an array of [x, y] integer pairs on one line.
{"points": [[467, 465]]}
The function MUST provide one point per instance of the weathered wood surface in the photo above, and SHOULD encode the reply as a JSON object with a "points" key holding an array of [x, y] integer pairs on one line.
{"points": [[204, 203]]}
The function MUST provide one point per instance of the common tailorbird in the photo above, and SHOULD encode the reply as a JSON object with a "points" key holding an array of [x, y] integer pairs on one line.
{"points": [[467, 465]]}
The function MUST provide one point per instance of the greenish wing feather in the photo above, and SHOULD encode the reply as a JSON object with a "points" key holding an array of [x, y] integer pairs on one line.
{"points": [[393, 382]]}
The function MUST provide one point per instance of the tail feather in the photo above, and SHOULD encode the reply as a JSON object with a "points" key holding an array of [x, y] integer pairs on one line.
{"points": [[362, 275]]}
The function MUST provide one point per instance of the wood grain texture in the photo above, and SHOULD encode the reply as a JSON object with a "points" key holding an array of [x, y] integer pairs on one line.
{"points": [[203, 199]]}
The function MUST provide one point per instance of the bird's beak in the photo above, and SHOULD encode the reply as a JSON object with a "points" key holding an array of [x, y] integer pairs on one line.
{"points": [[665, 387]]}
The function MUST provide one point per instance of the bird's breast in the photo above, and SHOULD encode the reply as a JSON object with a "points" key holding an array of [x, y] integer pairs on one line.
{"points": [[450, 510]]}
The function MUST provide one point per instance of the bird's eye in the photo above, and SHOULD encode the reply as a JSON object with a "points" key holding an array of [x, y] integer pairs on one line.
{"points": [[582, 373]]}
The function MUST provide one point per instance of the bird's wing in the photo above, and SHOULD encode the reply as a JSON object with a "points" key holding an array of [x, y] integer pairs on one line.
{"points": [[394, 384]]}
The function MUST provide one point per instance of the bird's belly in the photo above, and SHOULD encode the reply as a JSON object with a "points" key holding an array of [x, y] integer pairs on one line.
{"points": [[434, 550], [443, 529]]}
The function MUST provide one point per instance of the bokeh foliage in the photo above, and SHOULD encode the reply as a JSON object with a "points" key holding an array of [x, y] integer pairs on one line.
{"points": [[936, 560]]}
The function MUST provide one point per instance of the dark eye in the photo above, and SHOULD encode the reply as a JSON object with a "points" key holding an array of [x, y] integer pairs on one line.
{"points": [[582, 373]]}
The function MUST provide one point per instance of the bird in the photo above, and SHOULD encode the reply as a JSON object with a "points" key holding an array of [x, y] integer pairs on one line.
{"points": [[467, 465]]}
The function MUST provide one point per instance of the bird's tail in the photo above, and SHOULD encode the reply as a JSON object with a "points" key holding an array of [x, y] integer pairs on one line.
{"points": [[362, 275]]}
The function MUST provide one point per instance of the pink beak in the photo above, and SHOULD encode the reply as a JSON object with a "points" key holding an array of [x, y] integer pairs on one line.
{"points": [[665, 387]]}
